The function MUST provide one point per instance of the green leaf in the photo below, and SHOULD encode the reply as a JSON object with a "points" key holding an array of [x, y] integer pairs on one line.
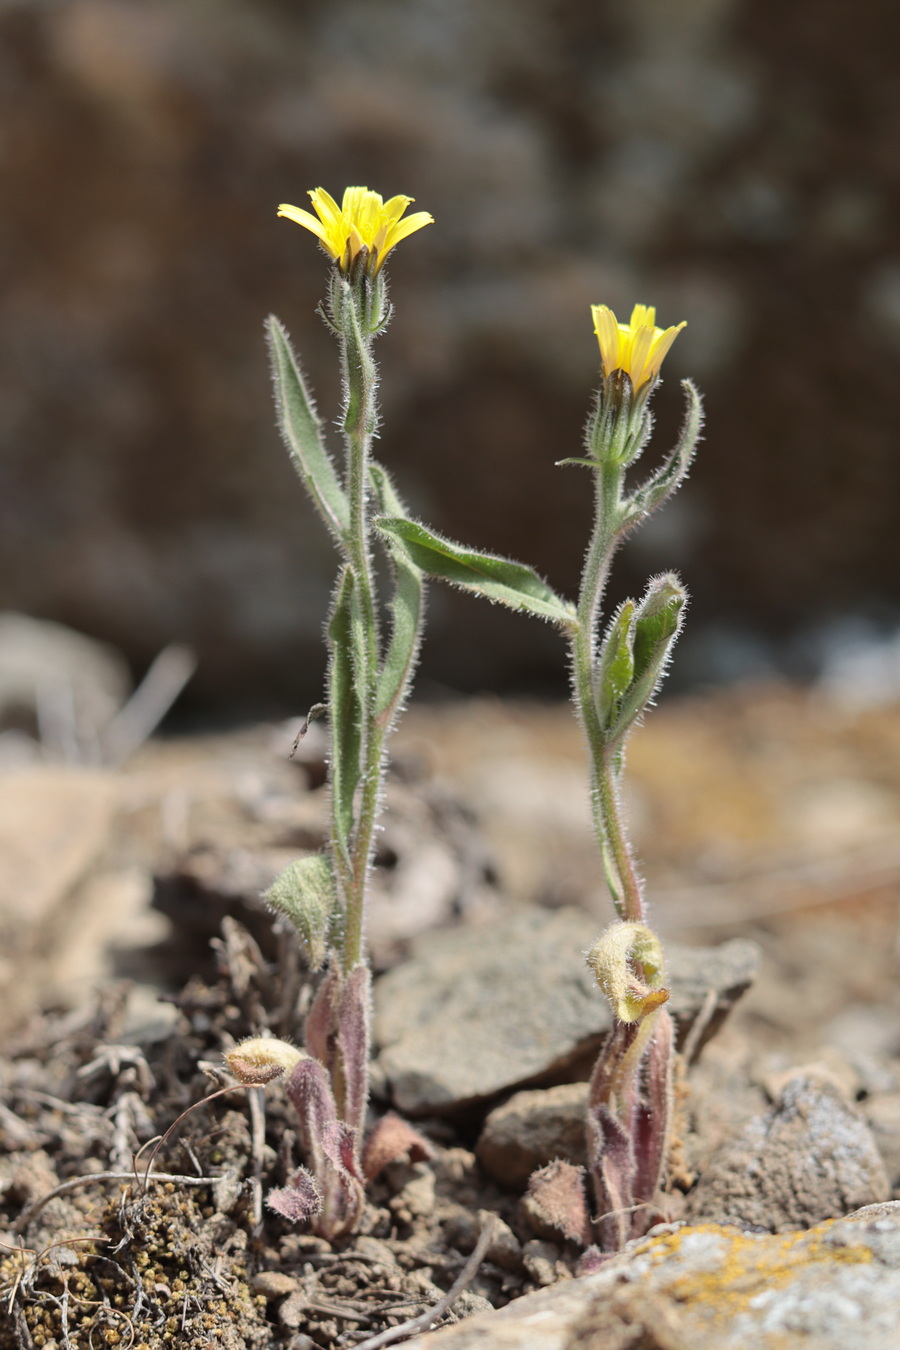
{"points": [[407, 609], [498, 579], [301, 430], [615, 669], [344, 635], [305, 892]]}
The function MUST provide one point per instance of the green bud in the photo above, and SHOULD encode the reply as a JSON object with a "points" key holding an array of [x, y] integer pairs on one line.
{"points": [[656, 624], [621, 424], [615, 669], [305, 893]]}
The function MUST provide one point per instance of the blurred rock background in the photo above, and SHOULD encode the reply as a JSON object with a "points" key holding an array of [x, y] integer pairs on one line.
{"points": [[733, 161]]}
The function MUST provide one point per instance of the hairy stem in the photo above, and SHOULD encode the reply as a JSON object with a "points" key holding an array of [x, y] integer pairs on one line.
{"points": [[621, 875], [360, 378]]}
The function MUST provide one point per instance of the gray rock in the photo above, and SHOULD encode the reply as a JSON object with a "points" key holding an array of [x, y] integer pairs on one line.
{"points": [[530, 1130], [478, 1012], [882, 1112], [835, 1286], [812, 1157]]}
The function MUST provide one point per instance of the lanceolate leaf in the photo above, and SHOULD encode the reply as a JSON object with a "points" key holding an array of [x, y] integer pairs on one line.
{"points": [[346, 713], [407, 607], [301, 429], [497, 578]]}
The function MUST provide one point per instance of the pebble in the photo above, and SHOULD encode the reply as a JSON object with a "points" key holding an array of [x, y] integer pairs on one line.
{"points": [[530, 1130]]}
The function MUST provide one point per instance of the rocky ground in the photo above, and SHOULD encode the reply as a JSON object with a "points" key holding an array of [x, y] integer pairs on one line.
{"points": [[135, 952]]}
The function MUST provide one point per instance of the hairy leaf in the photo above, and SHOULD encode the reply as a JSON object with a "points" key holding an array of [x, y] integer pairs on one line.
{"points": [[390, 1139], [318, 1031], [354, 1014], [407, 608], [557, 1194], [346, 712], [298, 1202], [672, 473], [615, 669], [510, 583], [657, 623], [305, 892], [301, 429]]}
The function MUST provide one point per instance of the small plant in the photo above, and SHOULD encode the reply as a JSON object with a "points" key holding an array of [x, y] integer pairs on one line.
{"points": [[324, 895], [614, 679]]}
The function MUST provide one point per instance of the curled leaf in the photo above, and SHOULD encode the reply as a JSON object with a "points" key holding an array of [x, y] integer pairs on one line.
{"points": [[628, 962], [390, 1139], [300, 1201]]}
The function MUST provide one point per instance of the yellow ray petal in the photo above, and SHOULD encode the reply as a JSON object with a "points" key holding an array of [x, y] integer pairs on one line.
{"points": [[637, 347], [362, 221]]}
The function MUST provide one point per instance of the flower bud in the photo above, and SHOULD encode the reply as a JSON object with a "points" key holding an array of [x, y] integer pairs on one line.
{"points": [[262, 1059], [628, 962]]}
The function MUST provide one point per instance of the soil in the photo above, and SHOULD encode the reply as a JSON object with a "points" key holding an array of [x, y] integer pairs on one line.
{"points": [[196, 1260]]}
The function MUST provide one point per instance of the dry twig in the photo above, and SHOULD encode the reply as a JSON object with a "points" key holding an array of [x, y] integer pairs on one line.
{"points": [[426, 1319]]}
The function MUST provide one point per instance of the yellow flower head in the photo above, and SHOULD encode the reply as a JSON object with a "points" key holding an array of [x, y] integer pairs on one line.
{"points": [[361, 221], [637, 347]]}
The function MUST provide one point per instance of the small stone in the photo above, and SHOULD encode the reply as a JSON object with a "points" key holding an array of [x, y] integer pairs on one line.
{"points": [[375, 1250], [416, 1199], [460, 1228], [530, 1130], [227, 1189], [294, 1311], [470, 1304], [882, 1113], [274, 1284], [504, 1249], [542, 1262]]}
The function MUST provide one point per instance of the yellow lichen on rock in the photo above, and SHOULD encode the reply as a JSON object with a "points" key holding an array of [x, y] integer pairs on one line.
{"points": [[741, 1266]]}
